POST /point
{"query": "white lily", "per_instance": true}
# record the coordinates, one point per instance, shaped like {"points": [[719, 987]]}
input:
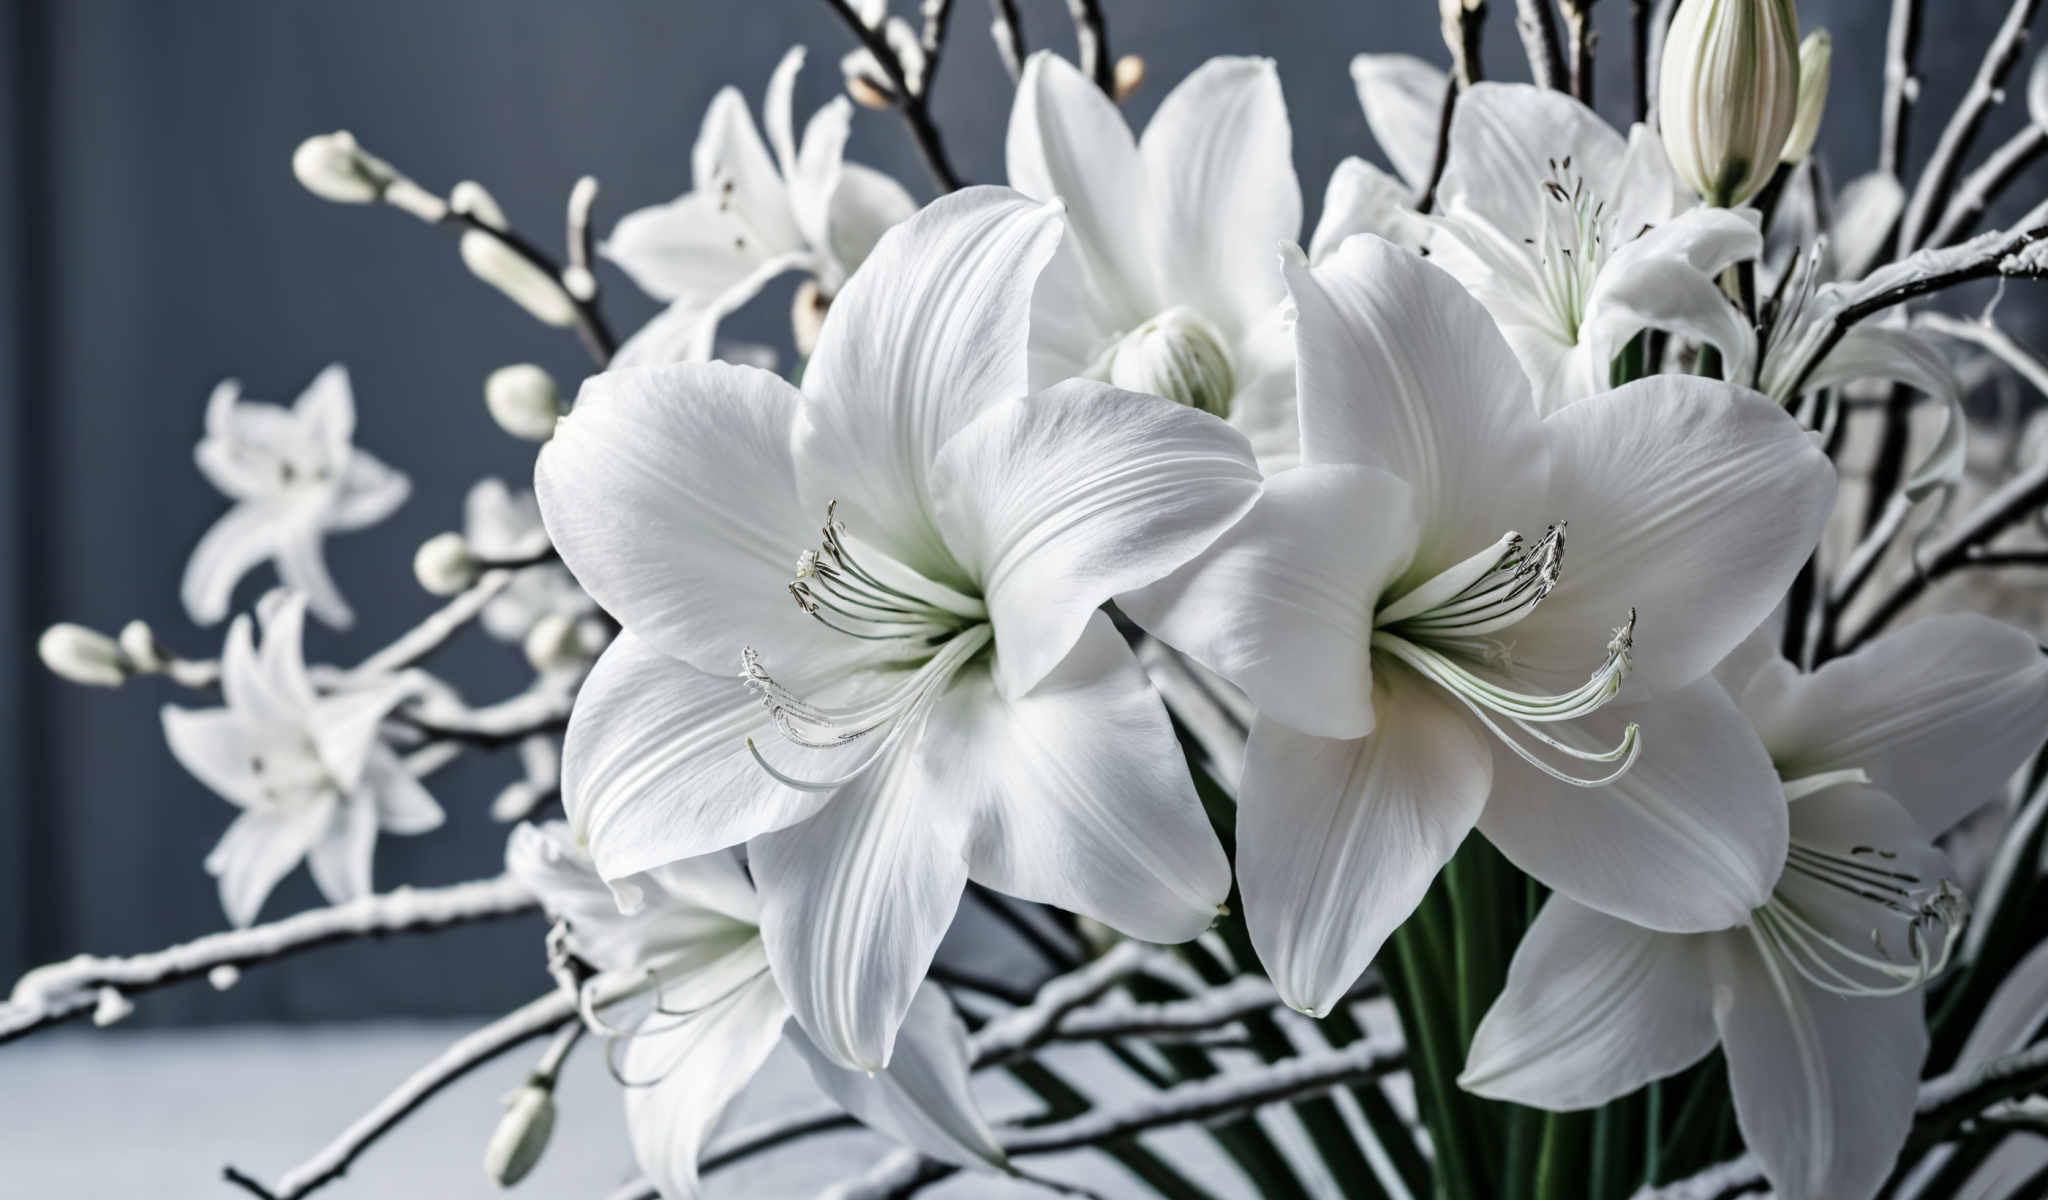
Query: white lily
{"points": [[716, 1013], [500, 524], [309, 772], [294, 477], [750, 217], [1395, 633], [1577, 239], [925, 691], [1815, 999], [1402, 97], [1166, 283]]}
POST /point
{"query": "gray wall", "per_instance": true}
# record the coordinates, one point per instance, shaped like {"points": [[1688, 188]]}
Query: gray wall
{"points": [[152, 241]]}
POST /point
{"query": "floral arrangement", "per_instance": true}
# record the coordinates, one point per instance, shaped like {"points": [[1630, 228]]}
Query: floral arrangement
{"points": [[1537, 693]]}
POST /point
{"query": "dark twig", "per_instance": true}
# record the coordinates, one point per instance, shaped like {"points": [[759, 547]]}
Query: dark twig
{"points": [[1464, 37], [1578, 18], [590, 324], [1092, 41], [1443, 147], [1539, 42], [908, 102], [1986, 90], [1639, 55], [245, 1183]]}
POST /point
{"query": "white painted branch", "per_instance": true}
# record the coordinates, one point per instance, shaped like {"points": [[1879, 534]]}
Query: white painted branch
{"points": [[1975, 193], [429, 635], [1986, 90], [1018, 1031], [53, 993], [1901, 87]]}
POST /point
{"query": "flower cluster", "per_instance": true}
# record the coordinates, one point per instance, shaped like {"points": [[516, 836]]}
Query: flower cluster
{"points": [[1191, 599]]}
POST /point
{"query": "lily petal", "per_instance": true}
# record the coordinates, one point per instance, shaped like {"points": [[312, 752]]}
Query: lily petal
{"points": [[404, 806], [1338, 840], [302, 567], [340, 859], [217, 747], [1282, 604], [327, 409], [730, 162], [1689, 840], [1079, 795], [368, 492], [1940, 713], [928, 334], [1504, 137], [1594, 1008], [259, 849], [1693, 502], [923, 1098], [865, 205], [1061, 500], [244, 536], [1364, 199], [1402, 97]]}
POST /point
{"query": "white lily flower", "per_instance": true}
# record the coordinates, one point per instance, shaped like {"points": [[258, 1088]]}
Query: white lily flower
{"points": [[717, 1013], [749, 217], [294, 476], [500, 524], [943, 700], [1577, 239], [1166, 282], [1815, 998], [308, 771], [1396, 632], [1402, 97]]}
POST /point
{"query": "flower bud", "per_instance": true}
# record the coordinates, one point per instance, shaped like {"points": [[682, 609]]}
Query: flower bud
{"points": [[138, 642], [1727, 94], [807, 316], [444, 565], [82, 655], [1126, 77], [333, 167], [524, 401], [1176, 355], [554, 643], [521, 1135], [1816, 53], [498, 264], [470, 199]]}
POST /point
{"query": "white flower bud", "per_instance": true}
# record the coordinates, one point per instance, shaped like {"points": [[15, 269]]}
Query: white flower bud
{"points": [[1127, 77], [523, 283], [83, 655], [470, 199], [555, 643], [524, 401], [139, 643], [1816, 56], [333, 167], [1176, 355], [112, 1007], [444, 565], [521, 1135], [807, 316], [1727, 94]]}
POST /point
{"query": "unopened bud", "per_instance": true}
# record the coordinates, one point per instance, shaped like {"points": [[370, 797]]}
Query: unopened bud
{"points": [[807, 316], [1816, 56], [1176, 355], [1127, 77], [1727, 94], [333, 167], [521, 1135], [869, 92], [144, 653], [524, 401], [82, 655], [470, 199], [555, 642], [525, 284], [444, 565]]}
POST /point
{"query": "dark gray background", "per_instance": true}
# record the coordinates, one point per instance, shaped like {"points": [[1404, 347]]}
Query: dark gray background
{"points": [[152, 241]]}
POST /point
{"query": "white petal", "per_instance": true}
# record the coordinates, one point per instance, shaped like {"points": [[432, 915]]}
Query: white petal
{"points": [[672, 497], [1939, 713], [218, 748], [1056, 502], [1504, 136], [1263, 408], [815, 177], [730, 162], [671, 927], [257, 850], [692, 248], [1400, 368], [923, 1098], [1282, 604], [1403, 99], [1079, 795], [283, 659], [1824, 1086], [687, 1070], [777, 108], [1900, 355], [1689, 840], [1364, 199], [865, 205], [1338, 840], [344, 725], [302, 567], [926, 336], [687, 330], [403, 804], [1219, 161], [367, 493], [1068, 141], [1594, 1008], [2012, 1019], [1866, 211], [327, 409], [1691, 501], [340, 858], [853, 903], [244, 536], [1851, 821], [265, 699], [655, 765]]}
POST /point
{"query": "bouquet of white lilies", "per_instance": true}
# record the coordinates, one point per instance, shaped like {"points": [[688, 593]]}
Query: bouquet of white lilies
{"points": [[1503, 702]]}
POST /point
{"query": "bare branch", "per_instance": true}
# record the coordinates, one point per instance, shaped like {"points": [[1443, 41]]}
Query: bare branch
{"points": [[433, 633], [1981, 186], [1091, 39], [909, 102], [1539, 42], [1901, 86], [1986, 90]]}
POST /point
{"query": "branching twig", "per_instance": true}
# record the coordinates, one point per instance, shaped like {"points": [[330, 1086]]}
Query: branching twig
{"points": [[54, 993], [909, 102], [1981, 186], [1539, 42], [1986, 90], [590, 324], [431, 634]]}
